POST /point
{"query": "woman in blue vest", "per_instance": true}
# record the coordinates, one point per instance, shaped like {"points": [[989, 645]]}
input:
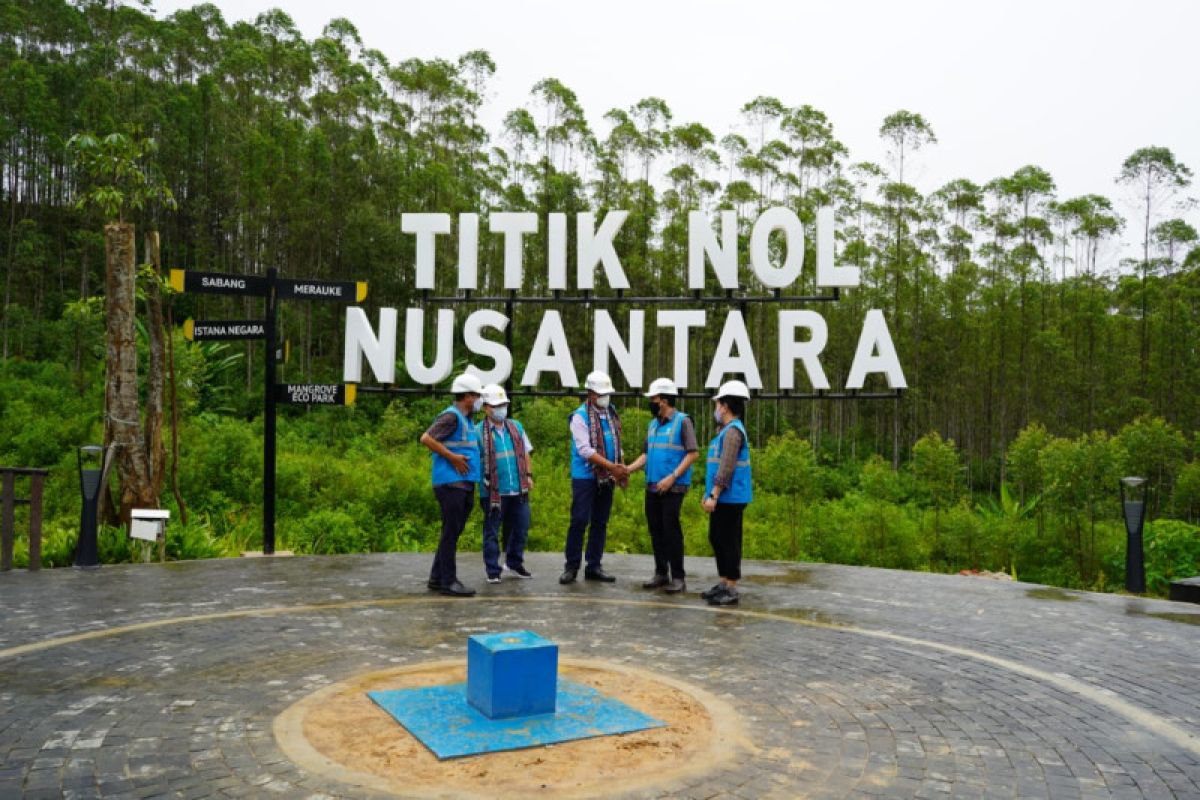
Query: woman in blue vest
{"points": [[671, 449], [505, 479], [727, 490], [597, 466], [454, 442]]}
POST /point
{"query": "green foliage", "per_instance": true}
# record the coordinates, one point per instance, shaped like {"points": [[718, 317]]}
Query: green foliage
{"points": [[121, 181]]}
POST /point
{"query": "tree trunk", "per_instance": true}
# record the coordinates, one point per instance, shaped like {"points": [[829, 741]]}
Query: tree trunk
{"points": [[156, 455], [122, 421]]}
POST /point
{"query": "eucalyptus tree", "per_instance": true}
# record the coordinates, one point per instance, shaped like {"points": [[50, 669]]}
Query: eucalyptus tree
{"points": [[1156, 175]]}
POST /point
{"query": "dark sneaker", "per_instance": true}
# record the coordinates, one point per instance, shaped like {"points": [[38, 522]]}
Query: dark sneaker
{"points": [[676, 586], [729, 597], [456, 589], [493, 578], [433, 585], [713, 592], [656, 582], [568, 576], [520, 572], [598, 575]]}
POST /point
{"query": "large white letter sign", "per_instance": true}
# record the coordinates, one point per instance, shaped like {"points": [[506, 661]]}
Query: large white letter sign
{"points": [[808, 352], [426, 227], [556, 255], [725, 362], [594, 247], [875, 353], [513, 225], [414, 346], [473, 339], [550, 353], [702, 241], [777, 219], [468, 251], [827, 273], [607, 340], [361, 341], [681, 321]]}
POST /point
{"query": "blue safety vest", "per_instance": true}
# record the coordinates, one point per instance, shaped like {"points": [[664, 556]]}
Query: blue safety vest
{"points": [[740, 490], [580, 468], [508, 472], [665, 451], [464, 442]]}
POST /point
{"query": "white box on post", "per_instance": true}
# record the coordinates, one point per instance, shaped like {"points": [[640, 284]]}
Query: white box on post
{"points": [[148, 524]]}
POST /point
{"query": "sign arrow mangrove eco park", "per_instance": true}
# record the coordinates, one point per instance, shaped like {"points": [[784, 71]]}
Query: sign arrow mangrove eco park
{"points": [[317, 394], [273, 289]]}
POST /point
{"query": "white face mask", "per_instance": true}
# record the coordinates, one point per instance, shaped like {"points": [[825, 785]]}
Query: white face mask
{"points": [[602, 401], [500, 414], [717, 415], [478, 405]]}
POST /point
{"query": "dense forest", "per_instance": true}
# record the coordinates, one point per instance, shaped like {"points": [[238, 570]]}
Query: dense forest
{"points": [[1042, 364]]}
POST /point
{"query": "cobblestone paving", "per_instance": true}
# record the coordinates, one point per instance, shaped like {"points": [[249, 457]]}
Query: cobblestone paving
{"points": [[164, 680]]}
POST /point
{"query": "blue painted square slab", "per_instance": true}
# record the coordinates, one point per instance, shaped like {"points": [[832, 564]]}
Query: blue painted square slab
{"points": [[442, 719]]}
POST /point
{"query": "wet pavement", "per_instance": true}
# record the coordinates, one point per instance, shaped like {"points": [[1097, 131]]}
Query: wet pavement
{"points": [[164, 680]]}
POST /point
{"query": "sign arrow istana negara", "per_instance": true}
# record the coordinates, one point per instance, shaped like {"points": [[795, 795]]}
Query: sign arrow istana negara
{"points": [[224, 330]]}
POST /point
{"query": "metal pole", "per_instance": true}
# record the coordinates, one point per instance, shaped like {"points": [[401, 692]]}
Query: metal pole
{"points": [[269, 417], [35, 520]]}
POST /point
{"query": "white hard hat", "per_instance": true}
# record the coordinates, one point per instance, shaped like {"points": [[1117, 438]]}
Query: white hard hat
{"points": [[494, 395], [733, 389], [663, 386], [599, 383], [466, 383]]}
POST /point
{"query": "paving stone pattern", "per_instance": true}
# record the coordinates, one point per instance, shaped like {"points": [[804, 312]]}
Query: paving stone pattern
{"points": [[847, 688]]}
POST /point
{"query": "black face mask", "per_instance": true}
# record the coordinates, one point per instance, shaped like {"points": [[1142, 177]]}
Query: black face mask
{"points": [[655, 408]]}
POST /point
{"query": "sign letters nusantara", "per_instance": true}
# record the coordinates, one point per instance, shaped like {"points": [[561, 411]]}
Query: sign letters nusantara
{"points": [[551, 353]]}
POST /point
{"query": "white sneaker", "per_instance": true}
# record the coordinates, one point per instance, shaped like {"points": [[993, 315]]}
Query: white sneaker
{"points": [[493, 579]]}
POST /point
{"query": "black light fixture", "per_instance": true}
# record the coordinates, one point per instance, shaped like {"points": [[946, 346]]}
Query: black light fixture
{"points": [[91, 481], [1133, 504]]}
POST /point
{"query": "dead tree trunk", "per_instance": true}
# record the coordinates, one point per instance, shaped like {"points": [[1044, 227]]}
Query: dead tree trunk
{"points": [[156, 455], [122, 419]]}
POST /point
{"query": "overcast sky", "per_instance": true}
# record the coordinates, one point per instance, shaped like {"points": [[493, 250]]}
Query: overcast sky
{"points": [[1074, 87]]}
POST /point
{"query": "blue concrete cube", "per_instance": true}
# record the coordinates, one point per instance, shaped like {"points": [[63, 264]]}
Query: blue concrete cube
{"points": [[512, 674]]}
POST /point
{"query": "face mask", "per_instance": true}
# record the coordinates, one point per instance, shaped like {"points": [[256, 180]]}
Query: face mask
{"points": [[655, 408], [602, 401], [717, 415], [478, 405], [500, 414]]}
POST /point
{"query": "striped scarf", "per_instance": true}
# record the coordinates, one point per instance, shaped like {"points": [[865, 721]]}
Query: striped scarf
{"points": [[491, 469], [596, 434]]}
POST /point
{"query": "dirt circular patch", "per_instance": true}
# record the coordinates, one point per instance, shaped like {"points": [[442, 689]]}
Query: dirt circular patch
{"points": [[339, 733]]}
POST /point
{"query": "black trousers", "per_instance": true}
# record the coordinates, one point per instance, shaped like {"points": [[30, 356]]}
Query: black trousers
{"points": [[666, 532], [456, 507], [725, 536]]}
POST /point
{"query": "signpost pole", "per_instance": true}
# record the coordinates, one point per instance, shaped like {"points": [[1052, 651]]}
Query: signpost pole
{"points": [[269, 417]]}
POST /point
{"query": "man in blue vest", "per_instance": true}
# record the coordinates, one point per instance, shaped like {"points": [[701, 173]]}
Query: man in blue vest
{"points": [[454, 442], [671, 448], [505, 481], [597, 466]]}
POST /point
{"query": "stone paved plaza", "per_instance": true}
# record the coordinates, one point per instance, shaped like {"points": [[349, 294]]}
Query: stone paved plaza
{"points": [[164, 680]]}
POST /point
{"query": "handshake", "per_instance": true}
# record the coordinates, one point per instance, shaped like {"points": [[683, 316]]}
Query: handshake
{"points": [[620, 474]]}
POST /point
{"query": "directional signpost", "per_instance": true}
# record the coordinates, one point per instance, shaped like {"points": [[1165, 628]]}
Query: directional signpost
{"points": [[273, 289]]}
